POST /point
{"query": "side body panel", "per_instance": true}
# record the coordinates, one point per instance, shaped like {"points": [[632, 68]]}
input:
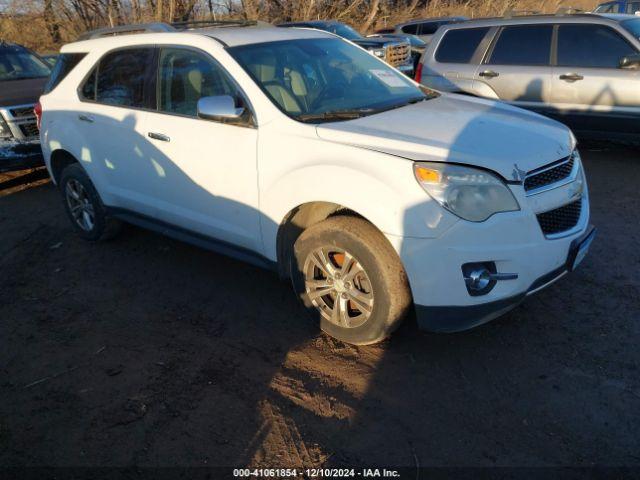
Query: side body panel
{"points": [[297, 167]]}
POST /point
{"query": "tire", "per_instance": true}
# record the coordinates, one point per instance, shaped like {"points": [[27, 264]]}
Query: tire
{"points": [[83, 206], [372, 287]]}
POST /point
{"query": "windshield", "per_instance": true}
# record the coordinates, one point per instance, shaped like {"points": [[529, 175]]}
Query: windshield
{"points": [[607, 8], [632, 26], [17, 64], [342, 30], [311, 78]]}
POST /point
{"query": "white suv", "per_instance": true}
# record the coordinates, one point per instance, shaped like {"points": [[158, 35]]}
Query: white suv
{"points": [[299, 151]]}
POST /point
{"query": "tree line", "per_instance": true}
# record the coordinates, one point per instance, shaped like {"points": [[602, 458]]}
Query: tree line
{"points": [[46, 24]]}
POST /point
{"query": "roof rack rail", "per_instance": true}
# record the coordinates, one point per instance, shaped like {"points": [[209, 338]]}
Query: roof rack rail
{"points": [[127, 30], [509, 13], [192, 24], [569, 10], [158, 27]]}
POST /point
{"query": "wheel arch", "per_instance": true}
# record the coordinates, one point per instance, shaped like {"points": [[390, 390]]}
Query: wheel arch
{"points": [[59, 160], [300, 218]]}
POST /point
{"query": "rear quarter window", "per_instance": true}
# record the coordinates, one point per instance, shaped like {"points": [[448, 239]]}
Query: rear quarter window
{"points": [[459, 45], [63, 66]]}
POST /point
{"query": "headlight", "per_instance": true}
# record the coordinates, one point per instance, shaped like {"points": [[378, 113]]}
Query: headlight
{"points": [[469, 193], [5, 133], [378, 52]]}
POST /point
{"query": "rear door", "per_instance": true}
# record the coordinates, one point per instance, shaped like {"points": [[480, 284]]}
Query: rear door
{"points": [[590, 91], [454, 64], [115, 99], [517, 67]]}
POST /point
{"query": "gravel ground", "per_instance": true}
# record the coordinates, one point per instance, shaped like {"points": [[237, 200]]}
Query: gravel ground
{"points": [[147, 351]]}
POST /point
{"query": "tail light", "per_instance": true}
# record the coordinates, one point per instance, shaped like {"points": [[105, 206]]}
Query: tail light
{"points": [[38, 111], [419, 73]]}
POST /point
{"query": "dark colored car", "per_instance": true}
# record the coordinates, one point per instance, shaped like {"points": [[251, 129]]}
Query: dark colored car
{"points": [[23, 76], [418, 46], [396, 52], [619, 6], [426, 27]]}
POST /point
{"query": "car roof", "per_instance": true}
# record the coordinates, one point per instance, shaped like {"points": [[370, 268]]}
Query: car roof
{"points": [[236, 36], [433, 20], [618, 17], [542, 18], [5, 44], [228, 36], [311, 22]]}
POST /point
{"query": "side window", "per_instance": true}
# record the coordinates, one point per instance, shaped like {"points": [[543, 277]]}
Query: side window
{"points": [[410, 29], [523, 45], [88, 90], [65, 63], [122, 76], [186, 76], [596, 46], [633, 7], [429, 28], [459, 45]]}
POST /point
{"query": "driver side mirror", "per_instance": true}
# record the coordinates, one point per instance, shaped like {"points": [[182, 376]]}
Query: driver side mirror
{"points": [[220, 107], [630, 61]]}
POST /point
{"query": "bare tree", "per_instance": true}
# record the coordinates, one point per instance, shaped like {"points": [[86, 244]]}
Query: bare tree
{"points": [[51, 22], [373, 11]]}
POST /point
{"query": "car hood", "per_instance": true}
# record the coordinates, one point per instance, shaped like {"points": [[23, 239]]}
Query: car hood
{"points": [[372, 42], [21, 92], [453, 128]]}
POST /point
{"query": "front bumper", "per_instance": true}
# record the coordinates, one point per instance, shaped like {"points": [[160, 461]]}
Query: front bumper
{"points": [[512, 241], [450, 319], [20, 155]]}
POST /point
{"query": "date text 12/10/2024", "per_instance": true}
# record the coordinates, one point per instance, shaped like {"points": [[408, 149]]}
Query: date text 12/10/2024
{"points": [[315, 473]]}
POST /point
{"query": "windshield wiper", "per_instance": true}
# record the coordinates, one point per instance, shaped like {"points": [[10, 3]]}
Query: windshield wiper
{"points": [[336, 115]]}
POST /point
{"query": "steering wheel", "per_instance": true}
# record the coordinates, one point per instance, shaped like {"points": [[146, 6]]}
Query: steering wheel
{"points": [[330, 89]]}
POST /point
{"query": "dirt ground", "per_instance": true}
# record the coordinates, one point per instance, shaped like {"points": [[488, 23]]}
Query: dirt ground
{"points": [[147, 351]]}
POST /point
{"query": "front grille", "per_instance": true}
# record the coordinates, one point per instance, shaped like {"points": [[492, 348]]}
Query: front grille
{"points": [[398, 54], [22, 112], [29, 129], [548, 175], [561, 219]]}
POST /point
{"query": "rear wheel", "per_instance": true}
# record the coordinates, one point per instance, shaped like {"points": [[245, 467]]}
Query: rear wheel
{"points": [[350, 280], [84, 208]]}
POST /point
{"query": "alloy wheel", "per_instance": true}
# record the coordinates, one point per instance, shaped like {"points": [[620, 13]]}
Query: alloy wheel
{"points": [[80, 205], [338, 286]]}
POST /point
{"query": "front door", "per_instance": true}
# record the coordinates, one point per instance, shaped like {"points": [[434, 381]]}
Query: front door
{"points": [[590, 92], [207, 168]]}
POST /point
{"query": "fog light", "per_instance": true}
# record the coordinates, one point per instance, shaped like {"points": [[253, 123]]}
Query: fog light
{"points": [[480, 278]]}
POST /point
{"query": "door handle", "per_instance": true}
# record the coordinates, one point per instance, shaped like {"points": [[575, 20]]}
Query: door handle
{"points": [[571, 77], [159, 136], [85, 118], [489, 74]]}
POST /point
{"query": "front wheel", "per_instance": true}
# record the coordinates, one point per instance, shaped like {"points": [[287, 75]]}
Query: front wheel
{"points": [[350, 279]]}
